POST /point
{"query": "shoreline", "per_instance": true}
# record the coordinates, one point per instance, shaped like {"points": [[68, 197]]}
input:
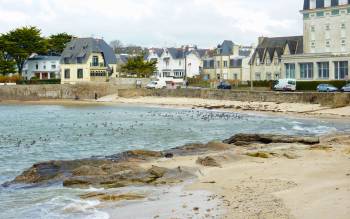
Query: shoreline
{"points": [[312, 111]]}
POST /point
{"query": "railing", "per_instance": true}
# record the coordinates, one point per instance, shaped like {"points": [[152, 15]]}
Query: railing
{"points": [[98, 65]]}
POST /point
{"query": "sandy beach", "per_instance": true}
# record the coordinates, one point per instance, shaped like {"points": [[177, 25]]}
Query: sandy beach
{"points": [[296, 182]]}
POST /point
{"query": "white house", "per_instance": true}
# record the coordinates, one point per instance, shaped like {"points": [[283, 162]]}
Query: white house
{"points": [[42, 67], [177, 63]]}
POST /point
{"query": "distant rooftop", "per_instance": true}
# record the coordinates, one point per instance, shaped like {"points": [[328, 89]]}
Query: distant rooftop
{"points": [[319, 4]]}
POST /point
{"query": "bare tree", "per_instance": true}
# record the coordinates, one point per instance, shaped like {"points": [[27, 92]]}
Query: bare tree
{"points": [[117, 45]]}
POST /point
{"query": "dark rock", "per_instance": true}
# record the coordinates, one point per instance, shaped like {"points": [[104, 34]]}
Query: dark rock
{"points": [[247, 139], [208, 162], [168, 155]]}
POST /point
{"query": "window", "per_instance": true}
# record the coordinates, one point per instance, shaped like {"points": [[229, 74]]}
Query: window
{"points": [[306, 16], [180, 62], [313, 44], [328, 43], [235, 77], [257, 76], [328, 27], [79, 60], [66, 60], [80, 74], [268, 61], [312, 28], [37, 66], [290, 70], [218, 64], [341, 70], [320, 14], [53, 66], [343, 26], [343, 42], [277, 75], [67, 73], [323, 70], [335, 12], [268, 76], [306, 70], [348, 10], [95, 61], [44, 66], [225, 64]]}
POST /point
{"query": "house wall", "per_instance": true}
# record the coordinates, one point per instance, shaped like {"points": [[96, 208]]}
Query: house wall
{"points": [[317, 33], [43, 66], [194, 65], [87, 68]]}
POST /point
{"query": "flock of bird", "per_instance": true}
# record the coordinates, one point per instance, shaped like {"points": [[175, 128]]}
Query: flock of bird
{"points": [[122, 124]]}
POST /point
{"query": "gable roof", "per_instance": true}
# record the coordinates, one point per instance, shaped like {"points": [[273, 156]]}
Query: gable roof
{"points": [[278, 44], [84, 47], [226, 48], [321, 4]]}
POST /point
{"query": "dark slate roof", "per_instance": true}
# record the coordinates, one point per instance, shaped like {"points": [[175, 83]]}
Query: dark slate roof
{"points": [[320, 4], [44, 58], [245, 52], [226, 48], [278, 44], [177, 53], [83, 47]]}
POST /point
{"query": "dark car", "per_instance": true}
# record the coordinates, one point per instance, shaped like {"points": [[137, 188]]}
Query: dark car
{"points": [[224, 86], [326, 88]]}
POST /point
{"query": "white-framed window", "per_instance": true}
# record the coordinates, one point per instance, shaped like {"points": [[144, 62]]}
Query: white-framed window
{"points": [[225, 64], [341, 70], [258, 76], [269, 76], [306, 70], [323, 70], [290, 70]]}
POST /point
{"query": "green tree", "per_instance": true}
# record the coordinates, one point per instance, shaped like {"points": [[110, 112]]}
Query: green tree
{"points": [[57, 43], [7, 65], [20, 43], [139, 67]]}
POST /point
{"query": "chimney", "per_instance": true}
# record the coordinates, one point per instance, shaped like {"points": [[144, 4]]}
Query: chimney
{"points": [[260, 39]]}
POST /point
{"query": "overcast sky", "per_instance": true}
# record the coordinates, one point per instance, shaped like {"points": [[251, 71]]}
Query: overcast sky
{"points": [[158, 22]]}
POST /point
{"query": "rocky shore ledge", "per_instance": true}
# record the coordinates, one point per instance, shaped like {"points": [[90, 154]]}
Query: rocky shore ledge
{"points": [[125, 169]]}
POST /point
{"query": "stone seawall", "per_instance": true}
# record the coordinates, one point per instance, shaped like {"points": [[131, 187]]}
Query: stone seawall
{"points": [[326, 99], [88, 91], [56, 91]]}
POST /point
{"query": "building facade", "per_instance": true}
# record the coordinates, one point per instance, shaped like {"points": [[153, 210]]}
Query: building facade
{"points": [[266, 62], [42, 67], [326, 54], [87, 60], [177, 63], [227, 62]]}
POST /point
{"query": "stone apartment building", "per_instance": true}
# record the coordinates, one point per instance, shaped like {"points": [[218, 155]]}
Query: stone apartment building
{"points": [[227, 62], [326, 54], [322, 53], [87, 60]]}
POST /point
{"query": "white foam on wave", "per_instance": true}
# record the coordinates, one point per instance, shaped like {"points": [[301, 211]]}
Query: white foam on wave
{"points": [[315, 130]]}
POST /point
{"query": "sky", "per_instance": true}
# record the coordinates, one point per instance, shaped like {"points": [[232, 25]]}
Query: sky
{"points": [[158, 23]]}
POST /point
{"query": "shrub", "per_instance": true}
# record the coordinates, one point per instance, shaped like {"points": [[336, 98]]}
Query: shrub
{"points": [[10, 79], [35, 81], [312, 85]]}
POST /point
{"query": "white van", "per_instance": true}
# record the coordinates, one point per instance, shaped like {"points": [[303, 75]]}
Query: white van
{"points": [[159, 84], [286, 85]]}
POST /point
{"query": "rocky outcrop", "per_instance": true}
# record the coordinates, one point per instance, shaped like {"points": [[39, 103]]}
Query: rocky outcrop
{"points": [[247, 139], [208, 162], [195, 149]]}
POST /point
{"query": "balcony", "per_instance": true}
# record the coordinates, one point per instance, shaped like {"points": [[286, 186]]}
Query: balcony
{"points": [[100, 65]]}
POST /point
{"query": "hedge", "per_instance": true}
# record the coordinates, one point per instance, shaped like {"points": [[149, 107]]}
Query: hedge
{"points": [[48, 81], [312, 85]]}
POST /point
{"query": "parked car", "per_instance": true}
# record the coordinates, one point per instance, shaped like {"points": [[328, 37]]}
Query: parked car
{"points": [[285, 85], [346, 88], [156, 85], [224, 86], [326, 88]]}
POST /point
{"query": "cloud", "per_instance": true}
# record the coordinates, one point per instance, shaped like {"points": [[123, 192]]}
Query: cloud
{"points": [[157, 22]]}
